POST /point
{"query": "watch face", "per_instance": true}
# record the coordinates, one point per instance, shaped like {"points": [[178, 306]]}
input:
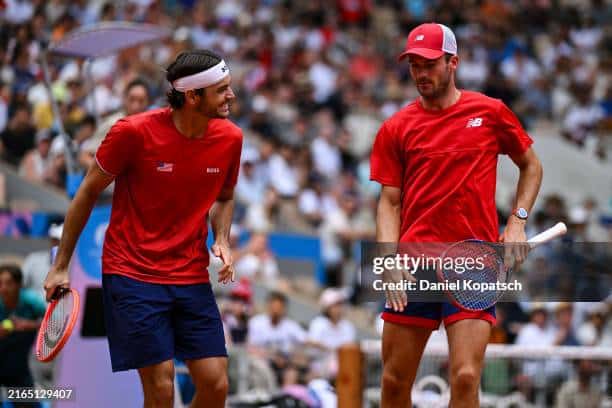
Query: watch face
{"points": [[522, 213]]}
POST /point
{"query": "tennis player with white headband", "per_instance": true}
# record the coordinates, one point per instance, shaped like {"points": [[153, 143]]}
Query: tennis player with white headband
{"points": [[174, 168], [202, 79]]}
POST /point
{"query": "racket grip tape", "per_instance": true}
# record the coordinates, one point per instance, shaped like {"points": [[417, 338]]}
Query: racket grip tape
{"points": [[53, 254], [545, 236], [59, 291]]}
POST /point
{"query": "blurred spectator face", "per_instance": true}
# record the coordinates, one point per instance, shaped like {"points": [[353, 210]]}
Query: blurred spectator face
{"points": [[21, 119], [335, 311], [538, 317], [238, 307], [554, 207], [349, 204], [43, 147], [136, 100], [75, 88], [9, 288], [266, 149], [248, 169], [216, 99], [432, 77], [287, 152], [564, 316], [276, 309], [85, 131]]}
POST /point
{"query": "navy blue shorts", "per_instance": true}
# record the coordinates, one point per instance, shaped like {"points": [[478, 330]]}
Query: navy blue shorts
{"points": [[430, 314], [149, 323]]}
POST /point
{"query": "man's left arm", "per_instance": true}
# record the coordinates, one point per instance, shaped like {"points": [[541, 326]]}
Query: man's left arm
{"points": [[527, 190], [221, 222]]}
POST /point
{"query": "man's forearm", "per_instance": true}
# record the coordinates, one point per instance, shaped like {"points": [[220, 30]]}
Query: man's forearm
{"points": [[387, 222], [75, 221], [528, 186], [221, 219]]}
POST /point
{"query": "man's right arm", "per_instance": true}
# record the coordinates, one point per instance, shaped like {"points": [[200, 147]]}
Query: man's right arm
{"points": [[78, 213], [388, 223], [388, 215]]}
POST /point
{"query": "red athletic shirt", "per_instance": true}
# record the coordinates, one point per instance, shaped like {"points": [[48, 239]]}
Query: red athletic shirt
{"points": [[445, 164], [165, 185]]}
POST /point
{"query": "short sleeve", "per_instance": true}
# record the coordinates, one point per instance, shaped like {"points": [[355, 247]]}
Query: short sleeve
{"points": [[386, 163], [234, 168], [512, 138], [118, 148]]}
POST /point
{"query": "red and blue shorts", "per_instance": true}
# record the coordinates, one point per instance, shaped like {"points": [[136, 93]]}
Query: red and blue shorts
{"points": [[429, 314]]}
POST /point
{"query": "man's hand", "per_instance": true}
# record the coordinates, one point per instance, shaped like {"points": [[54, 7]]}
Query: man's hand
{"points": [[25, 324], [56, 278], [396, 299], [226, 273], [516, 248]]}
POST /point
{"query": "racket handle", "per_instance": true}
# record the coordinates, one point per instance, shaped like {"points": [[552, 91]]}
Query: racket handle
{"points": [[545, 236], [53, 253]]}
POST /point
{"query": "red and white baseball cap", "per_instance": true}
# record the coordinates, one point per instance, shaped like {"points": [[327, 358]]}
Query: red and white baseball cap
{"points": [[431, 41]]}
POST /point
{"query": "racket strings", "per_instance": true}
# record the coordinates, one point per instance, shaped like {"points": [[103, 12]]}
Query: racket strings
{"points": [[57, 324], [488, 269]]}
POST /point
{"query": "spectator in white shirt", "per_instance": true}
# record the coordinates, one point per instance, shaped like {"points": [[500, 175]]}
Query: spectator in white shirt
{"points": [[250, 189], [538, 332], [272, 331], [582, 117], [591, 332], [579, 392], [325, 153], [520, 69], [283, 173], [331, 330], [314, 202], [35, 164]]}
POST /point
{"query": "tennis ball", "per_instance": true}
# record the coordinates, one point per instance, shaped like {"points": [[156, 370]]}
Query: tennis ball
{"points": [[7, 324]]}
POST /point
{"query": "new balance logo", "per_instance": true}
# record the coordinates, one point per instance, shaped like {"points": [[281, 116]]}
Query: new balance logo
{"points": [[213, 170], [474, 122], [420, 37]]}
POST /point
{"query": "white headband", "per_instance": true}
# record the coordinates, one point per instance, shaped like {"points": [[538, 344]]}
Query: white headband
{"points": [[202, 79]]}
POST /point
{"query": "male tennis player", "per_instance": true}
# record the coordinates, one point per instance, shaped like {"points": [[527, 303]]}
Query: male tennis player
{"points": [[436, 160], [174, 169]]}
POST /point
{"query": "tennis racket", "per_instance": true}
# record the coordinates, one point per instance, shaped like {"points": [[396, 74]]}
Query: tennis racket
{"points": [[58, 322], [479, 287]]}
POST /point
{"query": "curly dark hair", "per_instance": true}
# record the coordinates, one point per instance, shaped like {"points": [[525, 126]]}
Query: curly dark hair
{"points": [[15, 272], [188, 63]]}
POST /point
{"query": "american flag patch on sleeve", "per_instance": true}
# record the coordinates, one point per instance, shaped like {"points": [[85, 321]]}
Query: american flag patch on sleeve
{"points": [[165, 166]]}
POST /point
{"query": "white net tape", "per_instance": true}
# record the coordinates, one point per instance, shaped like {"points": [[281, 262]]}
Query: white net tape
{"points": [[514, 351]]}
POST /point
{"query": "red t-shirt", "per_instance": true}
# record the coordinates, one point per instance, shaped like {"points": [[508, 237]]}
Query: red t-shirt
{"points": [[165, 185], [445, 164]]}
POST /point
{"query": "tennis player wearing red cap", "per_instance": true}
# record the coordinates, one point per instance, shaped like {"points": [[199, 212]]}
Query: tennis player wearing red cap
{"points": [[436, 160]]}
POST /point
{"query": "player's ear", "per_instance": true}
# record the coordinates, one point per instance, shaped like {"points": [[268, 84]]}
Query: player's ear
{"points": [[191, 97]]}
